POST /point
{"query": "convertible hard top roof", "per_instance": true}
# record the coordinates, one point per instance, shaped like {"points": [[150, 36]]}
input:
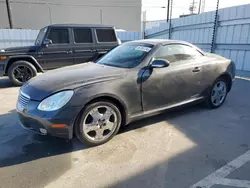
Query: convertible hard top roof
{"points": [[81, 25], [159, 41], [164, 42]]}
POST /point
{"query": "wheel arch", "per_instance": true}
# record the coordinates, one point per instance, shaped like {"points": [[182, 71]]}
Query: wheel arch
{"points": [[29, 59], [105, 97], [228, 78]]}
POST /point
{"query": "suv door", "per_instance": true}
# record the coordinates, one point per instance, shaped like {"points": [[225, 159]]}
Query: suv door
{"points": [[59, 53], [106, 40], [83, 47], [178, 82]]}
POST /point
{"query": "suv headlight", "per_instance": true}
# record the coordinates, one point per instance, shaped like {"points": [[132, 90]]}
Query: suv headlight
{"points": [[55, 101]]}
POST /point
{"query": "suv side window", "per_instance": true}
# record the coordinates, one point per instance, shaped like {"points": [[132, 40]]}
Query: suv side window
{"points": [[177, 52], [82, 35], [106, 35], [59, 36]]}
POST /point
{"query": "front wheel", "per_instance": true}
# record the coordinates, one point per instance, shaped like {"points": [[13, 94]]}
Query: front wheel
{"points": [[20, 72], [99, 123], [218, 93]]}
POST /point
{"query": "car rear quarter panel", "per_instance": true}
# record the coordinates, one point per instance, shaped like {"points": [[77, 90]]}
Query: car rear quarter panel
{"points": [[215, 66]]}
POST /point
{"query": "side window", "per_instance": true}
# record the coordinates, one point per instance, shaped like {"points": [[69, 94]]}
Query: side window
{"points": [[82, 35], [59, 36], [191, 51], [177, 52], [106, 35]]}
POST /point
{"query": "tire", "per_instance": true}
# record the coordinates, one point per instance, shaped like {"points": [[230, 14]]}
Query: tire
{"points": [[17, 75], [90, 139], [209, 101]]}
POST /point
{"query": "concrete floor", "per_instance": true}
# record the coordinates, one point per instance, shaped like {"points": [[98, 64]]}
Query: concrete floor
{"points": [[174, 150]]}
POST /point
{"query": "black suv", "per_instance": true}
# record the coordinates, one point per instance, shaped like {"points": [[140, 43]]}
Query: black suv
{"points": [[57, 46]]}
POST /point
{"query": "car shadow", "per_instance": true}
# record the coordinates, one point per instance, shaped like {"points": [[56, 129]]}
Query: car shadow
{"points": [[20, 146], [27, 156], [168, 114]]}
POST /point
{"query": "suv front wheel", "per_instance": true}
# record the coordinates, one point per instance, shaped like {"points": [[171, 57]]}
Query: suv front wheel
{"points": [[20, 72]]}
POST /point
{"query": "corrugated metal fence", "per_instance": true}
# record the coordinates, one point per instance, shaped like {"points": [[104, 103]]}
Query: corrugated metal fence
{"points": [[232, 38], [24, 37], [17, 37]]}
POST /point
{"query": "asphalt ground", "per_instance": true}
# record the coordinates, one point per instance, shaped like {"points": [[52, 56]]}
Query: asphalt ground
{"points": [[189, 147]]}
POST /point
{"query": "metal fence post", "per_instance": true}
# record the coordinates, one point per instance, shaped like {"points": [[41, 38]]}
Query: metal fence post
{"points": [[216, 20], [169, 30], [9, 14], [144, 18], [144, 30], [170, 25]]}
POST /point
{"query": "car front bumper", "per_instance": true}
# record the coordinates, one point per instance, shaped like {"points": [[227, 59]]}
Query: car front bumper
{"points": [[42, 123]]}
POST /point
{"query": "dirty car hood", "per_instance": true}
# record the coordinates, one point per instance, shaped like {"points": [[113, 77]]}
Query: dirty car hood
{"points": [[70, 77]]}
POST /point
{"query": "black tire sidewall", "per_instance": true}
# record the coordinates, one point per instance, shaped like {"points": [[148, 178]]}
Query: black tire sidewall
{"points": [[18, 63], [209, 99], [79, 128]]}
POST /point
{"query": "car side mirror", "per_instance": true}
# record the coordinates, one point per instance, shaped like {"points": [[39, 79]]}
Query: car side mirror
{"points": [[47, 42], [159, 63]]}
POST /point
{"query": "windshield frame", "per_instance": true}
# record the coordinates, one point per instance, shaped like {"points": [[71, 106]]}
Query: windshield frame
{"points": [[41, 35], [128, 44]]}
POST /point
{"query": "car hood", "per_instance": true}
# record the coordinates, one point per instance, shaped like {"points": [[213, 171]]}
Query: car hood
{"points": [[70, 77], [20, 49]]}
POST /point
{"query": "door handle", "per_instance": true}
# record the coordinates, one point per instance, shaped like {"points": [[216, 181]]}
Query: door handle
{"points": [[69, 52], [196, 69]]}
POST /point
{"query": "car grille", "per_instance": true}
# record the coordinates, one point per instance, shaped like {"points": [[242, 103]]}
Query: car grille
{"points": [[23, 100]]}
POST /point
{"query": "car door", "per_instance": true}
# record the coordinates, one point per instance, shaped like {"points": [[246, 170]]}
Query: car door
{"points": [[83, 48], [59, 52], [178, 82]]}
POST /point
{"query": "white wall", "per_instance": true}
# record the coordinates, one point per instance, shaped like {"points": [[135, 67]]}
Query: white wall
{"points": [[34, 14], [3, 15]]}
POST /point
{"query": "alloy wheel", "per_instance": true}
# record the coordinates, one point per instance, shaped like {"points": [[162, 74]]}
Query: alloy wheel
{"points": [[100, 123], [22, 73], [219, 93]]}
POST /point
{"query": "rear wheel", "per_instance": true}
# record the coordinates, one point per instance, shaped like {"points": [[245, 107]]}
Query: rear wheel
{"points": [[99, 123], [218, 93], [20, 72]]}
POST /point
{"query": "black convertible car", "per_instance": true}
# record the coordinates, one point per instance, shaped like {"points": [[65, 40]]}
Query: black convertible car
{"points": [[135, 80]]}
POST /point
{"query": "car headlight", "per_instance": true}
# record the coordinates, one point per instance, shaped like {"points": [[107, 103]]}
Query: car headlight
{"points": [[55, 101]]}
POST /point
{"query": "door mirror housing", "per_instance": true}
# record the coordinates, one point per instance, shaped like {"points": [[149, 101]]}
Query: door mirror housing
{"points": [[47, 42], [159, 63]]}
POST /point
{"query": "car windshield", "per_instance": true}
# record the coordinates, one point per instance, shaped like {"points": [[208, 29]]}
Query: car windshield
{"points": [[126, 56], [40, 36]]}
